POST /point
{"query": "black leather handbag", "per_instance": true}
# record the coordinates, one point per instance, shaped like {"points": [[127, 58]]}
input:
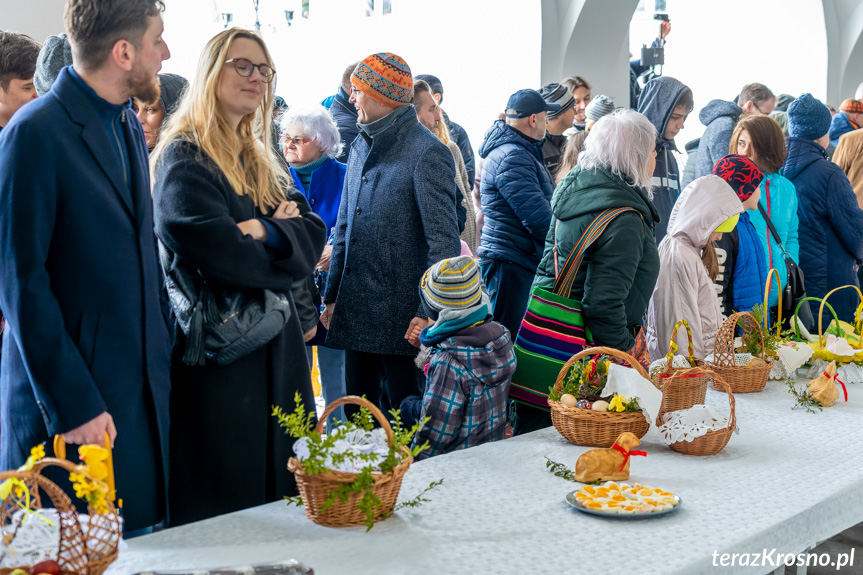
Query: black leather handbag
{"points": [[221, 325], [795, 289]]}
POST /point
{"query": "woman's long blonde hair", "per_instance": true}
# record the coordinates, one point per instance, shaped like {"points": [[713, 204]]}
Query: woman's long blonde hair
{"points": [[199, 120]]}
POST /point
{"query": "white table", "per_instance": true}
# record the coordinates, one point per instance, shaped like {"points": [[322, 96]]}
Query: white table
{"points": [[789, 479]]}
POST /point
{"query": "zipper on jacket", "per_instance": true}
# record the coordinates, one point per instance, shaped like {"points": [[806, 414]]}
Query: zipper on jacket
{"points": [[769, 215], [120, 146]]}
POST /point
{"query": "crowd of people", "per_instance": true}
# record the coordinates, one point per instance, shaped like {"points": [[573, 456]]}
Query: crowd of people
{"points": [[365, 229]]}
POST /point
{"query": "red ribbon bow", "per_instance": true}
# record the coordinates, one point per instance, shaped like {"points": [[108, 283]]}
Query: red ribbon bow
{"points": [[836, 378], [626, 454]]}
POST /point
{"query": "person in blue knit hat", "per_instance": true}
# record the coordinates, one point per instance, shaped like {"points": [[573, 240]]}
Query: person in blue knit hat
{"points": [[467, 358], [831, 222]]}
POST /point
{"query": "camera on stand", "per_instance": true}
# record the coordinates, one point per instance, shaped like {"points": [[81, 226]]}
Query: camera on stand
{"points": [[651, 56]]}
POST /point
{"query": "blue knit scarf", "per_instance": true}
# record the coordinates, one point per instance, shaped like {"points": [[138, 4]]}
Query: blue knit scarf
{"points": [[439, 331]]}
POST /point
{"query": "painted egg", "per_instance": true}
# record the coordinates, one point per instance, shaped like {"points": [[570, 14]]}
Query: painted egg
{"points": [[583, 404]]}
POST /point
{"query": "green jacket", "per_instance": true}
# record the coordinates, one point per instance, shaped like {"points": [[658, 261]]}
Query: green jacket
{"points": [[619, 270]]}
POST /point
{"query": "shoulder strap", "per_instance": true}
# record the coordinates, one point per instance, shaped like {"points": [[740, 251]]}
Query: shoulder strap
{"points": [[770, 225], [563, 282]]}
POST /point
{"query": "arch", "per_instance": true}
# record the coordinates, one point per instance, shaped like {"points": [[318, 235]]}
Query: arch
{"points": [[573, 43], [843, 20]]}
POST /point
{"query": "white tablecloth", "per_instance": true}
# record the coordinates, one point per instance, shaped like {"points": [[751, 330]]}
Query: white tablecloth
{"points": [[789, 479]]}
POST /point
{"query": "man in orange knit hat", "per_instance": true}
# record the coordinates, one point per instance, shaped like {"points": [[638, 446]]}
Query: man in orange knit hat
{"points": [[397, 218]]}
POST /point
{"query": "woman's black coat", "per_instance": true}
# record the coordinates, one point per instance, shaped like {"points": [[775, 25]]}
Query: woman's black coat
{"points": [[226, 451]]}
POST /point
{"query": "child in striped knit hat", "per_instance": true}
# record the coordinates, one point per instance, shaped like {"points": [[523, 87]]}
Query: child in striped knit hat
{"points": [[468, 361]]}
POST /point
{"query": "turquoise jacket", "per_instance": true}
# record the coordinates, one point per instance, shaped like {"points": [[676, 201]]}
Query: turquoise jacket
{"points": [[779, 200]]}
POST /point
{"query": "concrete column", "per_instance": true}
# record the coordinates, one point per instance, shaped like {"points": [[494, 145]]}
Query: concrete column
{"points": [[588, 38], [843, 20]]}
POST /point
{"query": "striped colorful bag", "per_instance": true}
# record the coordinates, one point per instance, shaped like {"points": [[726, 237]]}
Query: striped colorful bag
{"points": [[553, 330]]}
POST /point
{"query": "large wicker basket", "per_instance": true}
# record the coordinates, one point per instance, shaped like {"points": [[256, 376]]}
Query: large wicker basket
{"points": [[711, 442], [314, 489], [691, 388], [82, 551], [595, 428], [743, 378]]}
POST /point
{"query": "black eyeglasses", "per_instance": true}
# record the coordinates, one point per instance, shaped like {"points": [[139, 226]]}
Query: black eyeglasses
{"points": [[245, 68]]}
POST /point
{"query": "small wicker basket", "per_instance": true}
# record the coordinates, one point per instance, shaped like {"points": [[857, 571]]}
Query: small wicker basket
{"points": [[711, 442], [692, 387], [595, 428], [314, 489], [82, 551], [741, 378]]}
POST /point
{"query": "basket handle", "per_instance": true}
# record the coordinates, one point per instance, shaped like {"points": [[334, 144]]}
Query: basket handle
{"points": [[678, 380], [797, 311], [362, 402], [60, 453], [770, 275], [558, 384], [732, 419], [723, 350], [673, 345], [858, 322]]}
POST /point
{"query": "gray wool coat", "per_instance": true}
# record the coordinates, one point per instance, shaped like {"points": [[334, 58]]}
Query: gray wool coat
{"points": [[397, 217]]}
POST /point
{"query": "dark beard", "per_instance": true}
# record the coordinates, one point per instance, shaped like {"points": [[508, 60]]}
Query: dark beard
{"points": [[143, 86]]}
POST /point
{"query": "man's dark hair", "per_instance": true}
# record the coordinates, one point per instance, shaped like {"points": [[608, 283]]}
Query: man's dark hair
{"points": [[18, 55], [574, 83], [757, 93], [420, 86], [686, 100], [346, 77], [94, 26]]}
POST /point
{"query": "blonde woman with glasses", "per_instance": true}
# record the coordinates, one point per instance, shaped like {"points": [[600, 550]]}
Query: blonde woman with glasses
{"points": [[225, 208]]}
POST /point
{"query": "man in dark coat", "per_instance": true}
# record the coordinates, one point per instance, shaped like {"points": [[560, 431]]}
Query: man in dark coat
{"points": [[667, 103], [396, 219], [344, 113], [516, 195], [831, 222], [456, 132], [87, 348]]}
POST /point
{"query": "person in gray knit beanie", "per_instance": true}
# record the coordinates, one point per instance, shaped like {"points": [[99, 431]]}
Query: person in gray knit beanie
{"points": [[55, 55], [599, 106]]}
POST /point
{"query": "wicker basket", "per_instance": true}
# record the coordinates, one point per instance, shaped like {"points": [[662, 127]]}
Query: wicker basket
{"points": [[81, 552], [692, 387], [595, 428], [711, 442], [744, 378], [314, 489]]}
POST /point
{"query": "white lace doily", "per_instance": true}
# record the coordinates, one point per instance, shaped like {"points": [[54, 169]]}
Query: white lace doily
{"points": [[33, 538], [739, 358], [363, 448], [687, 424], [847, 372], [678, 362]]}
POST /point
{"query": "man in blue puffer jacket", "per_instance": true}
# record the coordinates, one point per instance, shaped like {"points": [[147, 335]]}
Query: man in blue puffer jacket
{"points": [[516, 192], [831, 222]]}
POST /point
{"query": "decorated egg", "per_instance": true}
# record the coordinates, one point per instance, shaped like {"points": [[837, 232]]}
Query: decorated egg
{"points": [[600, 405], [568, 400], [583, 404]]}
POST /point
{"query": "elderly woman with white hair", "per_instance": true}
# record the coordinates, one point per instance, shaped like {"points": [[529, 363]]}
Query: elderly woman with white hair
{"points": [[310, 142], [619, 269]]}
